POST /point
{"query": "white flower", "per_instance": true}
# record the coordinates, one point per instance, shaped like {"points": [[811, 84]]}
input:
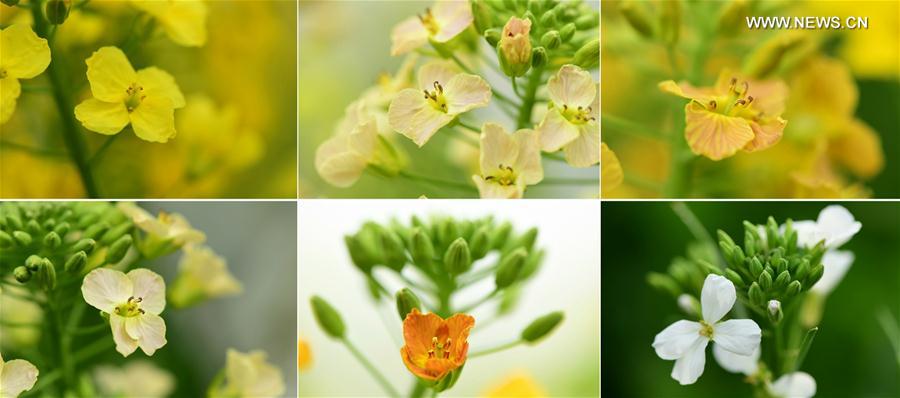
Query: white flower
{"points": [[133, 302], [837, 263], [249, 375], [794, 385], [16, 376], [201, 275], [448, 19], [172, 227], [136, 379], [774, 306], [508, 162], [835, 226], [341, 159], [685, 341], [443, 94], [572, 122]]}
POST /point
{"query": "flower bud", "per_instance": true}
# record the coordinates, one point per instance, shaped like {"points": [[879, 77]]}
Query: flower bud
{"points": [[542, 326], [514, 50], [406, 301], [76, 262], [328, 318], [815, 274], [52, 240], [549, 19], [567, 32], [538, 57], [588, 56], [5, 239], [734, 277], [767, 58], [527, 239], [636, 16], [756, 295], [775, 313], [689, 304], [22, 274], [500, 235], [802, 270], [33, 262], [22, 238], [493, 36], [765, 280], [422, 249], [33, 227], [479, 243], [532, 263], [113, 234], [458, 259], [96, 230], [481, 14], [510, 268], [792, 289], [62, 229], [588, 21], [394, 254], [551, 39], [756, 267], [358, 254], [85, 245], [664, 283], [724, 237], [118, 249], [57, 11], [47, 275], [781, 281]]}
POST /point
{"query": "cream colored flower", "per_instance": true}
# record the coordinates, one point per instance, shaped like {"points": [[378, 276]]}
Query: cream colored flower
{"points": [[341, 159], [136, 379], [571, 123], [170, 227], [249, 376], [509, 162], [202, 275], [448, 19], [183, 20], [16, 376], [133, 303], [444, 94]]}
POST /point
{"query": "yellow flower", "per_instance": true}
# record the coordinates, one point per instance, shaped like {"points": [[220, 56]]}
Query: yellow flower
{"points": [[133, 303], [147, 98], [444, 94], [183, 20], [734, 114], [26, 175], [201, 275], [165, 233], [448, 19], [213, 139], [304, 356], [136, 379], [249, 376], [342, 159], [611, 175], [508, 162], [516, 385], [858, 149], [434, 346], [16, 376], [25, 55], [571, 123]]}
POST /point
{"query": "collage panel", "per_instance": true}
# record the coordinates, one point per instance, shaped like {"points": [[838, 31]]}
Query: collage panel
{"points": [[148, 299], [449, 99], [750, 299], [148, 99], [449, 297]]}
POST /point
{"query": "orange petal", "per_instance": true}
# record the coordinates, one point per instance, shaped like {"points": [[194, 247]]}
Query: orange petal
{"points": [[765, 135], [714, 135], [418, 329]]}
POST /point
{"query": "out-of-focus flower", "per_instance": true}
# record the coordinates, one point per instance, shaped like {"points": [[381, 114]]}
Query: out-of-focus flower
{"points": [[444, 94], [183, 20], [342, 159], [25, 55], [519, 385], [136, 379], [685, 341], [835, 226], [794, 385], [213, 139], [732, 115], [16, 310], [867, 54], [133, 303], [434, 346], [167, 232], [611, 175], [249, 376], [147, 98], [59, 178], [447, 19], [202, 275], [514, 49], [571, 123], [304, 355], [508, 162], [16, 376]]}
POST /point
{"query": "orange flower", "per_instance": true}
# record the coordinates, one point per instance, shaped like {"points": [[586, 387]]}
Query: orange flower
{"points": [[434, 346]]}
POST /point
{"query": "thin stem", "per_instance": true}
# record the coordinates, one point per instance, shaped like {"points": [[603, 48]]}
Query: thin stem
{"points": [[525, 111], [804, 348], [9, 324], [478, 275], [553, 156], [473, 306], [496, 349], [515, 87], [891, 330], [642, 183], [468, 127], [371, 369], [694, 225], [437, 182], [95, 158], [570, 181], [464, 136], [92, 349], [462, 66], [89, 329], [625, 126]]}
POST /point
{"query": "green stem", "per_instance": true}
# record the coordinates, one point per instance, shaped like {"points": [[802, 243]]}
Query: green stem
{"points": [[642, 183], [625, 126], [45, 380], [92, 349], [525, 111], [471, 307], [468, 127], [95, 158], [9, 324], [804, 348], [553, 156], [371, 369], [418, 390], [570, 181], [437, 182], [496, 349]]}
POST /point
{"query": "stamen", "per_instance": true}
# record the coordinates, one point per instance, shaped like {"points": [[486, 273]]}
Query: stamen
{"points": [[712, 105], [446, 354], [740, 102], [434, 342], [749, 99], [447, 344], [438, 87], [430, 354]]}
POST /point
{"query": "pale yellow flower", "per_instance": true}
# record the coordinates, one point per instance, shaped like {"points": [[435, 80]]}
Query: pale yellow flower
{"points": [[133, 303], [183, 20], [515, 47], [16, 376], [447, 19], [136, 379], [509, 162], [571, 124], [341, 159], [249, 376], [202, 275], [516, 385], [25, 55], [213, 138], [443, 95], [611, 175], [171, 227]]}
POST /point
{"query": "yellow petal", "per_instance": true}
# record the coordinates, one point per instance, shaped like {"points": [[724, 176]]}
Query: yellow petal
{"points": [[765, 134], [9, 92], [528, 163], [465, 92], [342, 159], [407, 36], [25, 55], [611, 175], [412, 116], [102, 117], [555, 131], [154, 120], [858, 149], [584, 151], [185, 22], [572, 86], [110, 74], [714, 135], [685, 90], [157, 82]]}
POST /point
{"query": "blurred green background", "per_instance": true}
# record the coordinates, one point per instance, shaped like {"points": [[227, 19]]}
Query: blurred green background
{"points": [[851, 355]]}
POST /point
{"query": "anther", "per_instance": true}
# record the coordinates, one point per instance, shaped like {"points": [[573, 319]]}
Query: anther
{"points": [[712, 104], [438, 87], [430, 354], [446, 354], [749, 99]]}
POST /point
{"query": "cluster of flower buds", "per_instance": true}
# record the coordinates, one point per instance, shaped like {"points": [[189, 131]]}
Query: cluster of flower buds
{"points": [[527, 34], [39, 240]]}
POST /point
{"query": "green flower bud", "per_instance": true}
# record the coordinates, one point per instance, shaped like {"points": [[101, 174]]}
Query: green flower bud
{"points": [[567, 32], [782, 281], [551, 39], [458, 259], [510, 268], [767, 58], [33, 227], [542, 326], [76, 262], [33, 262], [47, 275], [588, 56], [52, 240], [780, 265], [514, 49], [482, 16], [118, 249], [5, 239], [22, 238], [447, 381], [724, 237], [57, 11], [85, 245], [709, 268], [22, 274], [492, 36], [394, 254], [358, 254], [96, 230], [734, 277], [765, 280], [115, 233], [532, 263], [549, 19], [538, 57], [637, 17], [817, 253], [328, 318], [527, 239], [62, 229], [802, 270], [756, 295], [422, 249], [586, 22], [479, 243], [406, 301], [792, 289], [664, 283], [750, 244], [500, 235], [756, 267], [815, 274], [774, 310]]}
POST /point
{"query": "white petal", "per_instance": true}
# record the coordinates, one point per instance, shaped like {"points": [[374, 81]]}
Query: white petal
{"points": [[555, 131], [125, 344], [573, 87], [436, 71], [740, 336], [675, 340], [794, 385], [689, 367], [412, 116], [466, 92], [16, 376], [584, 151], [150, 288], [716, 298], [837, 263], [807, 233], [104, 289], [407, 36], [149, 330], [837, 225], [734, 363]]}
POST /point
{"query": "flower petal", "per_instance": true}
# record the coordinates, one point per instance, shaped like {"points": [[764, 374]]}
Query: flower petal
{"points": [[125, 344], [110, 74], [740, 336], [714, 135], [185, 22], [837, 263], [149, 330], [154, 120], [493, 190], [675, 340], [465, 92], [794, 385], [555, 131], [25, 55], [689, 367], [528, 163], [458, 328], [412, 116], [159, 83], [407, 36], [584, 151], [734, 363], [807, 233], [611, 174], [716, 298], [102, 117], [16, 377], [573, 87], [498, 149], [150, 288], [436, 71], [104, 289], [766, 134], [10, 89], [452, 17], [686, 90], [837, 225]]}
